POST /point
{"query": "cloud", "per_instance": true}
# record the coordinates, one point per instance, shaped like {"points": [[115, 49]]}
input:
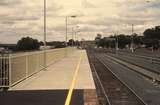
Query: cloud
{"points": [[25, 17], [87, 4], [9, 2], [7, 22]]}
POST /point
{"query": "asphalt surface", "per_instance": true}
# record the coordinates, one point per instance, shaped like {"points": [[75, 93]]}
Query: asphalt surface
{"points": [[143, 88], [40, 97]]}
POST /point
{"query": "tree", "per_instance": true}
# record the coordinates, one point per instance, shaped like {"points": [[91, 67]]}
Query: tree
{"points": [[152, 37], [122, 39], [152, 43], [56, 44], [71, 42], [138, 40], [152, 33], [98, 39], [101, 43], [27, 43]]}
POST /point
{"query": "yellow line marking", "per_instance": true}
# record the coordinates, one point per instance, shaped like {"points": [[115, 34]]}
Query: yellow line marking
{"points": [[69, 96]]}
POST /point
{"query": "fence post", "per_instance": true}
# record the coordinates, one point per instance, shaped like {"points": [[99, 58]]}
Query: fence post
{"points": [[10, 70], [38, 62], [26, 65], [45, 60]]}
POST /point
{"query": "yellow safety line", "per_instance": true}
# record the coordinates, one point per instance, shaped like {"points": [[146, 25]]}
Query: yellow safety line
{"points": [[68, 99]]}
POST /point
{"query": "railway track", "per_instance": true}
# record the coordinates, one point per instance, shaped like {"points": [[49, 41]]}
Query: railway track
{"points": [[152, 73], [113, 90], [141, 69], [152, 59]]}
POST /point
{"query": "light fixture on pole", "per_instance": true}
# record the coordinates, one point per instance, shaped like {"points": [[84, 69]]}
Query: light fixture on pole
{"points": [[66, 30], [66, 39], [45, 64], [45, 24], [72, 36], [76, 32], [132, 49], [117, 48]]}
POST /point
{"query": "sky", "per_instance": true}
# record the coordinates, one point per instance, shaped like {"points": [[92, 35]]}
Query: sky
{"points": [[21, 18]]}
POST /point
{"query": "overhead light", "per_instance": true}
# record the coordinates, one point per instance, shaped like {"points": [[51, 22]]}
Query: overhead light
{"points": [[147, 1], [73, 16]]}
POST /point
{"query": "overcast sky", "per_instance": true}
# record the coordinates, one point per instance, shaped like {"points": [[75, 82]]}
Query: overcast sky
{"points": [[19, 18]]}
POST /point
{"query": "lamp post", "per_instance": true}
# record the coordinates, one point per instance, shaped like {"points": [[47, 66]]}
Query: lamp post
{"points": [[72, 36], [45, 64], [132, 49], [132, 41], [45, 24], [66, 30], [117, 48], [77, 36], [67, 27], [74, 32]]}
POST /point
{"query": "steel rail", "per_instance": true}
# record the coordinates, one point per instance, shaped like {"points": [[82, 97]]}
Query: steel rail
{"points": [[146, 69], [108, 68], [153, 59], [101, 85]]}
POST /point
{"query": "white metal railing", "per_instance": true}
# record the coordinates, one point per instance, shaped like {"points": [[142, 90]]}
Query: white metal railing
{"points": [[4, 71], [15, 68]]}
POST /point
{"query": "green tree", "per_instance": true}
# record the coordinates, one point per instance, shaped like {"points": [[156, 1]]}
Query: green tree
{"points": [[71, 42], [152, 33], [122, 39], [152, 43], [98, 40], [101, 43], [152, 37], [27, 43], [138, 40]]}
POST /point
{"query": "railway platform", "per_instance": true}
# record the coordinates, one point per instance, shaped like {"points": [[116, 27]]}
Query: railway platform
{"points": [[66, 82]]}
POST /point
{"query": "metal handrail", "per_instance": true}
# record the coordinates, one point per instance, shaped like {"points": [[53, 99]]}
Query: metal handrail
{"points": [[15, 68]]}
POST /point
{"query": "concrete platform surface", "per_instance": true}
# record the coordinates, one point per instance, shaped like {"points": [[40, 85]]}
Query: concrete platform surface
{"points": [[60, 75]]}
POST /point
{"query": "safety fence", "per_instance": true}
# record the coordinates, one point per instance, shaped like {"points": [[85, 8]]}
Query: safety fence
{"points": [[4, 71], [15, 68]]}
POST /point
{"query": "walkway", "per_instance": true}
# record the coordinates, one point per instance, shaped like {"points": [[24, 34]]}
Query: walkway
{"points": [[51, 87]]}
